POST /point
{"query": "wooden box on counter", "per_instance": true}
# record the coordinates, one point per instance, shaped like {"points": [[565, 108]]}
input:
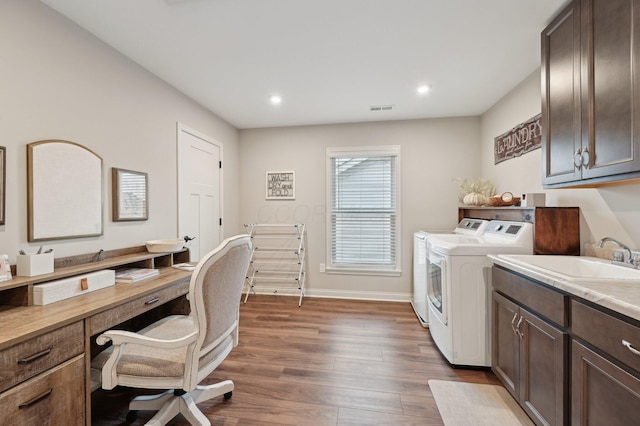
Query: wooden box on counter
{"points": [[556, 230]]}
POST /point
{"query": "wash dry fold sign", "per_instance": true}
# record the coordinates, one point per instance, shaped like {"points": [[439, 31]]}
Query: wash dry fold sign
{"points": [[521, 139]]}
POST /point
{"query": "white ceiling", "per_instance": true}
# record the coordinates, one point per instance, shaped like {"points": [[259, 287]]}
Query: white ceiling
{"points": [[330, 60]]}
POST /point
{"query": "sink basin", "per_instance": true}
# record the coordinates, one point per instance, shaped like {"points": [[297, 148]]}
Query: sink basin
{"points": [[575, 268]]}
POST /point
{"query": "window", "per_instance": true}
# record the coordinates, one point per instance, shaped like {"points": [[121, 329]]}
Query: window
{"points": [[363, 217]]}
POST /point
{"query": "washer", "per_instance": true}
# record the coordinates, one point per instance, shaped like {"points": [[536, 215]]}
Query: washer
{"points": [[466, 226], [459, 288]]}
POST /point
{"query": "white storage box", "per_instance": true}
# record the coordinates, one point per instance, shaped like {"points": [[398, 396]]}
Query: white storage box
{"points": [[54, 291], [29, 265]]}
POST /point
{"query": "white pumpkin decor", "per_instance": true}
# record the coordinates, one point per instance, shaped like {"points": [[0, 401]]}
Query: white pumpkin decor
{"points": [[475, 192], [474, 199]]}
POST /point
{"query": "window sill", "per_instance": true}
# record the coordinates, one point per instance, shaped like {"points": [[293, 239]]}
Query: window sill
{"points": [[364, 271]]}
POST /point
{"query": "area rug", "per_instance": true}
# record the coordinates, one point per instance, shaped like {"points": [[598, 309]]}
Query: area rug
{"points": [[471, 404]]}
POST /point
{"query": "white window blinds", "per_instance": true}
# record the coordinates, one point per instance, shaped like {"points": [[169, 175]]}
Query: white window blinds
{"points": [[363, 209]]}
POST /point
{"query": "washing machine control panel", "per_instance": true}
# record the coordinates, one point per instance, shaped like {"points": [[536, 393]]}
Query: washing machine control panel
{"points": [[506, 229], [470, 226]]}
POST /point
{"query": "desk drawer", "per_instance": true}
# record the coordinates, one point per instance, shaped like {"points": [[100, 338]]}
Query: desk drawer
{"points": [[107, 319], [36, 355], [606, 333], [52, 398]]}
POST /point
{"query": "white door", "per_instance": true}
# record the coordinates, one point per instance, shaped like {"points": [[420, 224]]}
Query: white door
{"points": [[199, 190]]}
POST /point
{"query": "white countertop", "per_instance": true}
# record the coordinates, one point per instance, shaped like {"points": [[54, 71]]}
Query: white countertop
{"points": [[619, 296]]}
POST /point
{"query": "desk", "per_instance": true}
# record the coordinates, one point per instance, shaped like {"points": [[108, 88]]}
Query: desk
{"points": [[45, 351]]}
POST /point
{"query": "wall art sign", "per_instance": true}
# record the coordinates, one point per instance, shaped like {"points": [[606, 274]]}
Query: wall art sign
{"points": [[521, 139], [281, 186]]}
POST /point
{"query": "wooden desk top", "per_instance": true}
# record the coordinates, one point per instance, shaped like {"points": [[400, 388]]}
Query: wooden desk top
{"points": [[18, 324]]}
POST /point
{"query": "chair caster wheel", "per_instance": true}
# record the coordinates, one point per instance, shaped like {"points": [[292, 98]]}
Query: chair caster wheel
{"points": [[132, 416], [228, 395]]}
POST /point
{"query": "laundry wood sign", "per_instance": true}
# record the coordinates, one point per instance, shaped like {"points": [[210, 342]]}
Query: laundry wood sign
{"points": [[521, 139]]}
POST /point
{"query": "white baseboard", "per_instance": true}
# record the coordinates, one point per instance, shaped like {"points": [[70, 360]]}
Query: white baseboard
{"points": [[337, 294]]}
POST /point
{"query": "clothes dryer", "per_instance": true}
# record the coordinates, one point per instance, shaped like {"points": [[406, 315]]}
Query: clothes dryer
{"points": [[466, 226]]}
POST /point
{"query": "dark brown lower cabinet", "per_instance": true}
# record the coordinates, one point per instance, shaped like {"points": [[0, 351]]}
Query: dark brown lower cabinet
{"points": [[529, 356], [602, 392], [565, 360], [505, 351]]}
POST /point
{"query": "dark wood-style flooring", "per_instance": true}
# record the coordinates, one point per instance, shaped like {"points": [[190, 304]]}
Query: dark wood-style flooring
{"points": [[329, 362]]}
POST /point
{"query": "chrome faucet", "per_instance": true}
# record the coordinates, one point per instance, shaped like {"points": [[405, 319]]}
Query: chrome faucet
{"points": [[628, 258]]}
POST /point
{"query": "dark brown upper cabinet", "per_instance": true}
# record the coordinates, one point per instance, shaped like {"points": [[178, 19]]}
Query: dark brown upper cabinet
{"points": [[591, 94]]}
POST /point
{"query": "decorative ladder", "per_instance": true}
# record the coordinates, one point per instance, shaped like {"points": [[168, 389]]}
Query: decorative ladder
{"points": [[277, 257]]}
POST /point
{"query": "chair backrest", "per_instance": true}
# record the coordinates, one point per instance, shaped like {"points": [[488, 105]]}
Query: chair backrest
{"points": [[215, 291]]}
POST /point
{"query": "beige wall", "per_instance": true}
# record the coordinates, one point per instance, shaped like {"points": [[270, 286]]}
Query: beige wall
{"points": [[612, 211], [433, 152], [60, 82]]}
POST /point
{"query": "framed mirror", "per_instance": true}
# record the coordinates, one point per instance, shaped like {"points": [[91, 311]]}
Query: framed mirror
{"points": [[64, 191], [3, 186], [130, 195]]}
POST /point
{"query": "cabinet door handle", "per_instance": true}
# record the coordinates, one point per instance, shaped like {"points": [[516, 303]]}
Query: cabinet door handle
{"points": [[631, 348], [520, 333], [36, 356], [585, 157], [36, 399], [152, 301], [577, 159], [513, 326]]}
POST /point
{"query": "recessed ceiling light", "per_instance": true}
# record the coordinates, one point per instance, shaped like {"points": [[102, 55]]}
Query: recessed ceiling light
{"points": [[275, 99], [423, 89]]}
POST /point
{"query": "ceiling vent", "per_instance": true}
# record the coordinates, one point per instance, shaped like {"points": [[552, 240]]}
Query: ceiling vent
{"points": [[381, 107]]}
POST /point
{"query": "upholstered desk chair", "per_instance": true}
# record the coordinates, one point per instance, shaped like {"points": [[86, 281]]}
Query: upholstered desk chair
{"points": [[179, 351]]}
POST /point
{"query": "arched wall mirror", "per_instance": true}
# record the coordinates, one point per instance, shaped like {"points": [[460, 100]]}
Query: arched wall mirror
{"points": [[64, 191]]}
